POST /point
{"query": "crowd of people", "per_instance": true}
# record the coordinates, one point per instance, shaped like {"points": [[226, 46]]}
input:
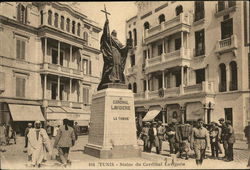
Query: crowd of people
{"points": [[197, 136]]}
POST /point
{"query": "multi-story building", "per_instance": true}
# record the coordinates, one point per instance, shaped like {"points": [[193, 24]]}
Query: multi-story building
{"points": [[47, 50], [190, 60]]}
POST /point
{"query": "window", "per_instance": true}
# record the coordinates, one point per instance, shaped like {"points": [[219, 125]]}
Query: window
{"points": [[85, 66], [56, 20], [199, 10], [177, 79], [146, 25], [135, 37], [53, 91], [129, 86], [144, 59], [54, 56], [160, 82], [20, 87], [233, 76], [85, 36], [144, 85], [20, 49], [178, 10], [132, 60], [130, 34], [199, 43], [200, 76], [223, 78], [177, 43], [134, 88], [85, 95], [231, 3], [160, 50], [78, 29], [41, 14], [62, 23], [73, 27], [61, 91], [50, 17], [227, 28], [67, 24], [221, 5], [161, 18], [21, 13]]}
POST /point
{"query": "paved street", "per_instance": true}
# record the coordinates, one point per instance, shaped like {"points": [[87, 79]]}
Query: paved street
{"points": [[15, 158]]}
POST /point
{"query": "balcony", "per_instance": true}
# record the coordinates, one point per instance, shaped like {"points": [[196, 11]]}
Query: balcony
{"points": [[177, 24], [226, 45], [132, 70], [225, 9], [58, 69], [204, 87], [168, 60]]}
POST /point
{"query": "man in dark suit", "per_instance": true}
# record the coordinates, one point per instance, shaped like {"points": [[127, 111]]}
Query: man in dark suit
{"points": [[153, 137]]}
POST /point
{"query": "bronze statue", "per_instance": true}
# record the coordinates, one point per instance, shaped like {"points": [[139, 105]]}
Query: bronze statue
{"points": [[114, 57]]}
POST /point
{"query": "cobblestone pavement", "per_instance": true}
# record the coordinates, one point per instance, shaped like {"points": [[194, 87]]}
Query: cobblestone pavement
{"points": [[15, 158]]}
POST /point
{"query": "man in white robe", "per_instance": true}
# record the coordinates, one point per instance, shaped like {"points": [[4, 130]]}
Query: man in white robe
{"points": [[39, 143]]}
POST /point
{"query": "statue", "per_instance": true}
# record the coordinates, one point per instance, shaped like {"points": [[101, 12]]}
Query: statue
{"points": [[114, 56]]}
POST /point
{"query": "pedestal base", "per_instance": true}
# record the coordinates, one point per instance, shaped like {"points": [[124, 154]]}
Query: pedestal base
{"points": [[112, 132]]}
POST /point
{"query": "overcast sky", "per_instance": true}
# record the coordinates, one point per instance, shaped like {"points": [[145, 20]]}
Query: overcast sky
{"points": [[120, 12]]}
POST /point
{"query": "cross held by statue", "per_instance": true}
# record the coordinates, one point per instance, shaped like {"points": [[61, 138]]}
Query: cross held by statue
{"points": [[106, 12]]}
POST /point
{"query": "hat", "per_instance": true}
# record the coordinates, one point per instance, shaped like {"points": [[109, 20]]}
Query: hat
{"points": [[154, 123], [30, 124], [37, 122], [221, 119], [159, 122]]}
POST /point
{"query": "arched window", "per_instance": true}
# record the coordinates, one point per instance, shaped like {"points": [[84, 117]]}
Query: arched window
{"points": [[130, 34], [56, 20], [62, 23], [146, 25], [135, 37], [134, 88], [161, 18], [85, 36], [129, 86], [21, 13], [41, 14], [78, 29], [178, 10], [223, 78], [50, 17], [233, 76], [73, 27], [68, 24]]}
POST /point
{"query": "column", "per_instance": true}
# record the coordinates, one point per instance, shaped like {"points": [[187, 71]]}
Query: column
{"points": [[45, 86], [147, 82], [70, 88], [188, 74], [58, 88], [163, 46], [227, 77], [182, 39], [150, 51], [183, 116], [182, 75], [70, 55], [163, 79], [163, 116], [205, 115], [80, 90], [45, 50], [58, 55]]}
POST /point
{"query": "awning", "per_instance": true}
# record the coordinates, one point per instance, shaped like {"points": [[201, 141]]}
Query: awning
{"points": [[25, 112], [152, 113]]}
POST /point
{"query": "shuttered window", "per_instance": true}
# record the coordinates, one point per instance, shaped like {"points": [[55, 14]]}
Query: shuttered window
{"points": [[20, 49], [90, 68], [85, 95], [20, 87]]}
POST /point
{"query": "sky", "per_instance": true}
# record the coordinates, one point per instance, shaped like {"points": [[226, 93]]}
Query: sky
{"points": [[120, 12]]}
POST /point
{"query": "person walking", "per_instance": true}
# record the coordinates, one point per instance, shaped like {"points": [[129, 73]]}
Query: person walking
{"points": [[230, 138], [39, 144], [222, 136], [185, 137], [199, 141], [247, 134], [26, 133], [160, 133], [65, 139], [2, 138], [214, 140], [172, 137], [76, 130], [145, 136], [153, 138]]}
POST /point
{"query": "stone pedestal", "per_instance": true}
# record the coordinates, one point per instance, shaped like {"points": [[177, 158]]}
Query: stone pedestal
{"points": [[112, 132]]}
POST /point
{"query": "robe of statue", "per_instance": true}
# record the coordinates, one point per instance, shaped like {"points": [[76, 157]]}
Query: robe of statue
{"points": [[114, 57]]}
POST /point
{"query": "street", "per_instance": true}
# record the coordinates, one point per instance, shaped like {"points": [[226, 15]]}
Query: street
{"points": [[15, 158]]}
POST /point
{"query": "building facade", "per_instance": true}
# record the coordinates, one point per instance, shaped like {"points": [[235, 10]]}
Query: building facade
{"points": [[47, 50], [190, 60]]}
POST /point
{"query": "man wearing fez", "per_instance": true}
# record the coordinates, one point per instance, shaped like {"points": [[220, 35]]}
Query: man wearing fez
{"points": [[114, 57]]}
